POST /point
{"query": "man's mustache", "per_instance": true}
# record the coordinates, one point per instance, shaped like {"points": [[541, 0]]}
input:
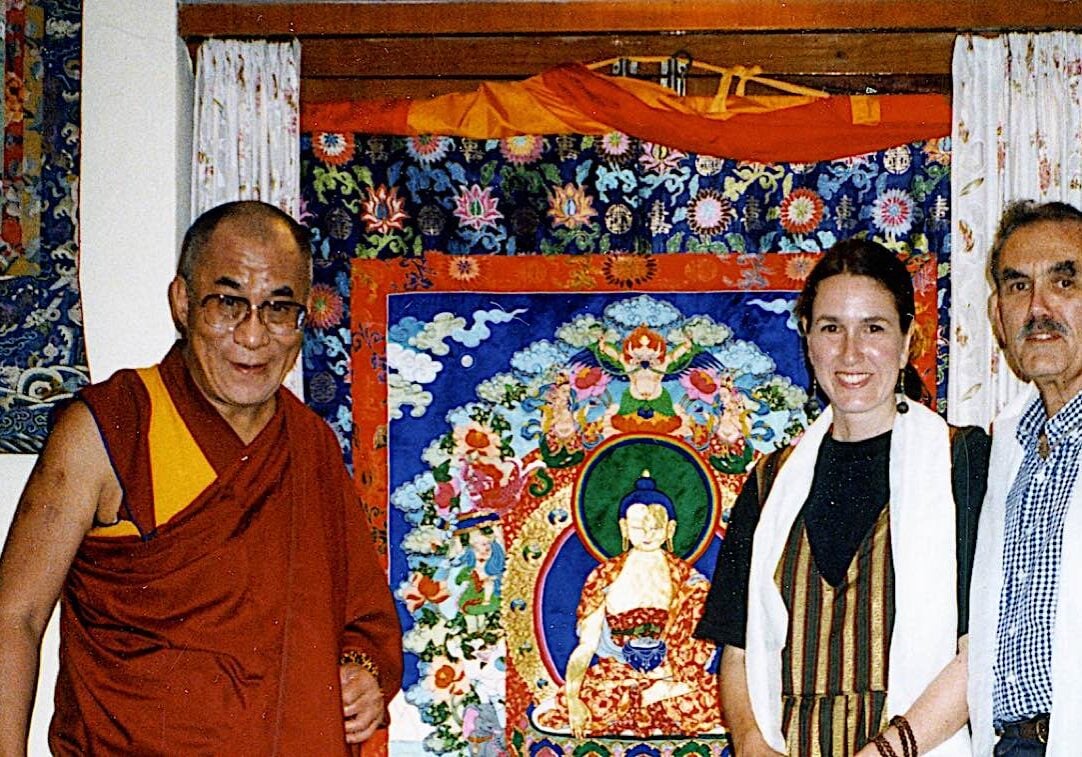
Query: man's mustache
{"points": [[1041, 325]]}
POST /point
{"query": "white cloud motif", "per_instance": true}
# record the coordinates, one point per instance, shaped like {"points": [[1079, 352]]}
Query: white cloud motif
{"points": [[642, 310], [583, 330], [412, 365], [537, 358], [431, 337], [778, 307], [401, 392], [741, 356], [480, 331], [705, 331]]}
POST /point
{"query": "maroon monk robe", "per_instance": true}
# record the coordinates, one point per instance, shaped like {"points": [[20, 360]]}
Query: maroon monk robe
{"points": [[219, 631]]}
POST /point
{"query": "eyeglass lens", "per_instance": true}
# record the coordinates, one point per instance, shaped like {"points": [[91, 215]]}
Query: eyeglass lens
{"points": [[226, 311]]}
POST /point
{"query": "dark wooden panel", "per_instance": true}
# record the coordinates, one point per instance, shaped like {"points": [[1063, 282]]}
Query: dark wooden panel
{"points": [[506, 17], [481, 56]]}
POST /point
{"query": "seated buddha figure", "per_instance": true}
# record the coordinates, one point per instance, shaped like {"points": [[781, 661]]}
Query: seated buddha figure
{"points": [[636, 670]]}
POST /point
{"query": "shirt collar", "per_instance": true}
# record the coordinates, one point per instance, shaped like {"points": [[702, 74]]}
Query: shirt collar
{"points": [[1034, 420]]}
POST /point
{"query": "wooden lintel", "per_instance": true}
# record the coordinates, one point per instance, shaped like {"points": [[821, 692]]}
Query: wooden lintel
{"points": [[613, 16], [521, 55]]}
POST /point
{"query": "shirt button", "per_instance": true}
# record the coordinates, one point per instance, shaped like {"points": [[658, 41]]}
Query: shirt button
{"points": [[1012, 631], [1022, 575], [1040, 476], [1011, 678]]}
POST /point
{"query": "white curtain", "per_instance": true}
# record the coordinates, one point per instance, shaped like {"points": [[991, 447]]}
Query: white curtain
{"points": [[247, 130], [1017, 134]]}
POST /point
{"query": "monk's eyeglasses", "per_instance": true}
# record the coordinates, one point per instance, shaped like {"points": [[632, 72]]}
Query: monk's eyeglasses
{"points": [[224, 312]]}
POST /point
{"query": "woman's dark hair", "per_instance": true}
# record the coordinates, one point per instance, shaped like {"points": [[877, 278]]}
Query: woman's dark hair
{"points": [[862, 257]]}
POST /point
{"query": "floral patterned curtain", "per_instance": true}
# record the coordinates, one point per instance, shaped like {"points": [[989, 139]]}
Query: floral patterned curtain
{"points": [[42, 352], [1017, 134]]}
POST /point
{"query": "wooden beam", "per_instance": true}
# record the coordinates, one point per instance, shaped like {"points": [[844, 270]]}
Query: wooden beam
{"points": [[477, 56], [585, 16]]}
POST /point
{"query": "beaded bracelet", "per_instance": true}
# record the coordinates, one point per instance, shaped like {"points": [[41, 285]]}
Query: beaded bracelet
{"points": [[884, 747], [359, 658], [905, 733]]}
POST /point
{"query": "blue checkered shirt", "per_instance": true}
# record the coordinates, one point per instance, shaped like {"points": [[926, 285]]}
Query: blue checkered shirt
{"points": [[1033, 542]]}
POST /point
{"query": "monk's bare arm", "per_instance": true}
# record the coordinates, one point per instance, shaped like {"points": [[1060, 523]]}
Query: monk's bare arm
{"points": [[70, 480]]}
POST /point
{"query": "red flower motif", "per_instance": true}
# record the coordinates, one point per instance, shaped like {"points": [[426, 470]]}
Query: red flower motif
{"points": [[326, 307], [522, 149], [589, 381], [445, 495], [423, 589], [384, 210], [710, 213], [477, 439], [701, 384], [704, 382], [333, 148], [892, 212], [628, 270], [801, 211], [463, 268]]}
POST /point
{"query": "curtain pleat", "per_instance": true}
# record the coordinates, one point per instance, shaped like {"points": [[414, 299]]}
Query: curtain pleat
{"points": [[1016, 134]]}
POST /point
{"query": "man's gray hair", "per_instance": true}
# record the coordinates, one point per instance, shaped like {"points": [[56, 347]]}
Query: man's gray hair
{"points": [[253, 212], [1022, 213]]}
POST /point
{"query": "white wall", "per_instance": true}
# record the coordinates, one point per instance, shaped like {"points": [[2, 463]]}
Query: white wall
{"points": [[133, 207]]}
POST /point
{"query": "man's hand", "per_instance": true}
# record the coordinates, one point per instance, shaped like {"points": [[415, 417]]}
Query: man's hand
{"points": [[362, 702]]}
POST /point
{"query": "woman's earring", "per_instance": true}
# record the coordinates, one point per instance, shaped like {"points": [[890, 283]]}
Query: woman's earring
{"points": [[899, 394], [811, 405]]}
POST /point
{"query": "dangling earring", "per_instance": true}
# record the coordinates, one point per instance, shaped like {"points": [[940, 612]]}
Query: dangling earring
{"points": [[811, 405], [899, 394]]}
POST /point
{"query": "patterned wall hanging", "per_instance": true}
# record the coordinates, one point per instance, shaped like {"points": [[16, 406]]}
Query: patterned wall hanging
{"points": [[387, 197], [516, 401], [542, 324], [42, 353]]}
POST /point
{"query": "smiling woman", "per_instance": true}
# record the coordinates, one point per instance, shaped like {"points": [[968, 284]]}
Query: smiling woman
{"points": [[857, 349], [833, 539]]}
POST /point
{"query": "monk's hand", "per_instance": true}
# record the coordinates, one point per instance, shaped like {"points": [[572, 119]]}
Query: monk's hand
{"points": [[362, 702]]}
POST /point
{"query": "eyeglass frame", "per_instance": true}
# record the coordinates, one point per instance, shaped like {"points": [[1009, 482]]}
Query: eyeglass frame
{"points": [[260, 310]]}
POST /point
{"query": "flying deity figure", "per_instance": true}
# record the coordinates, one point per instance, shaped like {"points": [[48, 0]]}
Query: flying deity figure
{"points": [[645, 361]]}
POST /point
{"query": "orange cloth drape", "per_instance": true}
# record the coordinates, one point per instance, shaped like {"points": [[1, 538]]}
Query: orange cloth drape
{"points": [[572, 99]]}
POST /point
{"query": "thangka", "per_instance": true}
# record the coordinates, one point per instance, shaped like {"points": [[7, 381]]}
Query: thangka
{"points": [[554, 457], [42, 353]]}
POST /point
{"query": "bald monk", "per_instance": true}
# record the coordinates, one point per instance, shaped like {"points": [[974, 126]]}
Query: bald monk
{"points": [[219, 592]]}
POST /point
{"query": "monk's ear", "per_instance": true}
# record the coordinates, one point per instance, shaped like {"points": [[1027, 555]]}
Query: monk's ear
{"points": [[179, 303]]}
